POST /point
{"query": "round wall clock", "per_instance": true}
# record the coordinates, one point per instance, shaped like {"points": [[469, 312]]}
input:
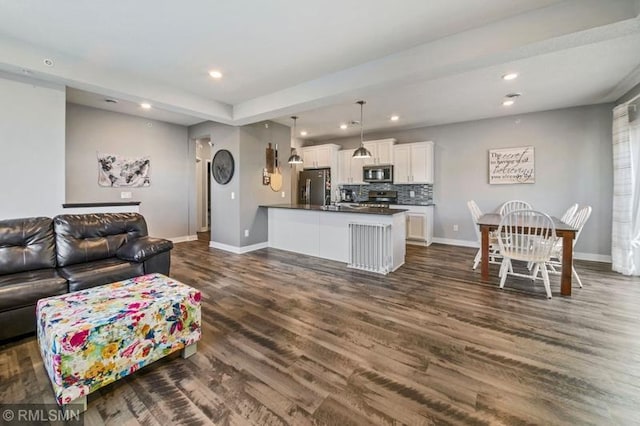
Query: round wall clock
{"points": [[222, 167]]}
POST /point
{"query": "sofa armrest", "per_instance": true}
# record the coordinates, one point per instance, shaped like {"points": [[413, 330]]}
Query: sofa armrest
{"points": [[143, 248]]}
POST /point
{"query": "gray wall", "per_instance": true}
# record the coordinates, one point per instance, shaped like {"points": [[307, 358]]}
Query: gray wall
{"points": [[165, 204], [253, 142], [231, 217], [31, 147], [225, 211], [573, 157]]}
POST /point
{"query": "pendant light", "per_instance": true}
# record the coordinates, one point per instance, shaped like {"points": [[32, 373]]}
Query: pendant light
{"points": [[294, 158], [361, 152]]}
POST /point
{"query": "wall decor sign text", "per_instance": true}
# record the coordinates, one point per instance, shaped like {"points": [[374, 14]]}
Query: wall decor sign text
{"points": [[511, 165]]}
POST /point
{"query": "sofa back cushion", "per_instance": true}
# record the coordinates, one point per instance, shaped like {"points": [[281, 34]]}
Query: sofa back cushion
{"points": [[26, 245], [87, 237]]}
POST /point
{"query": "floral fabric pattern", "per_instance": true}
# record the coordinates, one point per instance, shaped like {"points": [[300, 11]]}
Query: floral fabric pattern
{"points": [[94, 337]]}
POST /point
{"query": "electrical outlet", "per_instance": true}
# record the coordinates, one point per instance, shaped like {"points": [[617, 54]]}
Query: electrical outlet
{"points": [[455, 228], [125, 195], [412, 194], [283, 196], [233, 195], [246, 232]]}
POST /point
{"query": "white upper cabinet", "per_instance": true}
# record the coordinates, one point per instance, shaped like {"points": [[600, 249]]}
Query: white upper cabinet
{"points": [[402, 164], [385, 151], [413, 163], [381, 151], [319, 156], [344, 167], [349, 168], [309, 157], [422, 163], [356, 170], [325, 155]]}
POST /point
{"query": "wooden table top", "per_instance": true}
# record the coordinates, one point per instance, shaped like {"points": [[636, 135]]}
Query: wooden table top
{"points": [[493, 220]]}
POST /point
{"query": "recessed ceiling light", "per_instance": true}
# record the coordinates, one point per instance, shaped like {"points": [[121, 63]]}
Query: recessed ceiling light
{"points": [[510, 98], [395, 118], [215, 74], [510, 76], [303, 133], [343, 126], [145, 105], [48, 62]]}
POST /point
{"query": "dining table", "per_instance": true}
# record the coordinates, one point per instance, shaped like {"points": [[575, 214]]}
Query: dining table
{"points": [[491, 221]]}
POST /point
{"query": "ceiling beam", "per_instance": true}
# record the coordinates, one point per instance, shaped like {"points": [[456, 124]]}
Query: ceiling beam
{"points": [[542, 31]]}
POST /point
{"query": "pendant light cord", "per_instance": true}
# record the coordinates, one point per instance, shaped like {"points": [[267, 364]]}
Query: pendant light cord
{"points": [[294, 130], [361, 124]]}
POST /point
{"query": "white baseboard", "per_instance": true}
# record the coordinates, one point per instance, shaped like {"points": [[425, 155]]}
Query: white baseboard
{"points": [[452, 242], [183, 239], [592, 257], [205, 229], [577, 255], [238, 250]]}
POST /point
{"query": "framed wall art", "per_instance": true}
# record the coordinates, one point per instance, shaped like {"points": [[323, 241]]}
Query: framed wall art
{"points": [[511, 165], [222, 167], [116, 171]]}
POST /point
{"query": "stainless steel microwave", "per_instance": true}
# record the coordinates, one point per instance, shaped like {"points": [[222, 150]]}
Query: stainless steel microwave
{"points": [[377, 173]]}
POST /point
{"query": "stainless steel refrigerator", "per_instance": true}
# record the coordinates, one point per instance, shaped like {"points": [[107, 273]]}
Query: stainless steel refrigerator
{"points": [[314, 187]]}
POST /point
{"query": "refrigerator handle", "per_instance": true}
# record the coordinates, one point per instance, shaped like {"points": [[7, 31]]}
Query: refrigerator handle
{"points": [[307, 191]]}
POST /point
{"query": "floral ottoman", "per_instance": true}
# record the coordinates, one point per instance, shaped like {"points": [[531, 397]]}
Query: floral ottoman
{"points": [[91, 338]]}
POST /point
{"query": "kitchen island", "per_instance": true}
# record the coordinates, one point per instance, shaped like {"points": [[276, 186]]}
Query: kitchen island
{"points": [[371, 239]]}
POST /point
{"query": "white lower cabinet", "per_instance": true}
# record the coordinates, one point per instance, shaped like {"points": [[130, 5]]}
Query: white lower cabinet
{"points": [[419, 223], [416, 226]]}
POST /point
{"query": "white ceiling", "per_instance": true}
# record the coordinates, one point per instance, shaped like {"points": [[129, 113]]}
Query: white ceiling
{"points": [[580, 76], [416, 58], [82, 97]]}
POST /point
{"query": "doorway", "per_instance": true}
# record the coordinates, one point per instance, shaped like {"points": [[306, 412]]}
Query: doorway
{"points": [[208, 195], [203, 184]]}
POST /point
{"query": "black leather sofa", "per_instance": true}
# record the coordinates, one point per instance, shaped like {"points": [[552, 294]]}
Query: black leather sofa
{"points": [[41, 257]]}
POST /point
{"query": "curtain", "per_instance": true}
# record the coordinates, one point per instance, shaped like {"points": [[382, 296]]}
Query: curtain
{"points": [[634, 141], [625, 232]]}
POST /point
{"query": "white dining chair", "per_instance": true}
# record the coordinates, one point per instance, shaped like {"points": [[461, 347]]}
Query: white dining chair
{"points": [[513, 205], [493, 242], [578, 221], [568, 215], [566, 218], [524, 235]]}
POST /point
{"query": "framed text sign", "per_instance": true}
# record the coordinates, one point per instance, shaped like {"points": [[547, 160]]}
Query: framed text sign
{"points": [[511, 165]]}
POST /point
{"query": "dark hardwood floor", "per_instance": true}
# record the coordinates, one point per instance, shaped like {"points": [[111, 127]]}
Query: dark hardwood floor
{"points": [[296, 340]]}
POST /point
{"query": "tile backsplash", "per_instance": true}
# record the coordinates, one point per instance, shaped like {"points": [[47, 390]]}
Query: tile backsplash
{"points": [[423, 193]]}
